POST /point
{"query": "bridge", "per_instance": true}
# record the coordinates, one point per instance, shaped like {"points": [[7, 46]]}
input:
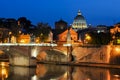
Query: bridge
{"points": [[28, 54]]}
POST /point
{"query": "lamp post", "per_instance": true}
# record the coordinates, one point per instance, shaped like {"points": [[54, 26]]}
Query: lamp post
{"points": [[41, 37], [10, 33], [87, 38]]}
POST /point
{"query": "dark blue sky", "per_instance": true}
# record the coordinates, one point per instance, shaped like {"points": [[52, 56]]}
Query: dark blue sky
{"points": [[95, 11]]}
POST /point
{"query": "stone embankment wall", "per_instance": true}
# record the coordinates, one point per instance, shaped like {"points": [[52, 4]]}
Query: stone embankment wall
{"points": [[91, 54]]}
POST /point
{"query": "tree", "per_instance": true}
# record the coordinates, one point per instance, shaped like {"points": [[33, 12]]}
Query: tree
{"points": [[42, 31], [100, 38], [24, 24], [2, 22]]}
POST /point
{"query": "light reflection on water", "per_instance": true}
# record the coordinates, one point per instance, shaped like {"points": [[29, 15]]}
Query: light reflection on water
{"points": [[4, 69], [57, 72]]}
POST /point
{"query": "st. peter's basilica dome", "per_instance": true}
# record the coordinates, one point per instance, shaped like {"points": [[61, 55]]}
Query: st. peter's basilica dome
{"points": [[79, 22]]}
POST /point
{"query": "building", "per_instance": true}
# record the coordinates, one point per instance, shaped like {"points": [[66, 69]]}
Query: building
{"points": [[101, 28], [61, 25], [64, 36], [115, 29], [79, 22], [115, 32], [24, 38]]}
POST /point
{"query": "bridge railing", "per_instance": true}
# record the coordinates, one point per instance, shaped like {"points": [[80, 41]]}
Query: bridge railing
{"points": [[37, 44], [30, 44]]}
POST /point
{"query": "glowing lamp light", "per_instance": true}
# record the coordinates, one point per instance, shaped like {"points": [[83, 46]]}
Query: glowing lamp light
{"points": [[37, 41], [4, 73], [10, 33], [88, 37], [22, 41], [34, 52], [67, 44], [88, 79], [118, 41], [116, 75], [2, 64], [34, 77], [117, 49]]}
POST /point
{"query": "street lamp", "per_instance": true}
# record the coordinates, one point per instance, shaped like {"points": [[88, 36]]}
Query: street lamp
{"points": [[41, 37], [10, 33], [87, 38], [20, 32]]}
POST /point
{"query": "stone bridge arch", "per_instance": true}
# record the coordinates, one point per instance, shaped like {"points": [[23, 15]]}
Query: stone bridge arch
{"points": [[52, 55], [4, 51], [4, 56], [56, 54]]}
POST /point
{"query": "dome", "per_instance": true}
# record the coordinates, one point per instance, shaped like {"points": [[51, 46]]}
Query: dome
{"points": [[79, 22], [79, 18]]}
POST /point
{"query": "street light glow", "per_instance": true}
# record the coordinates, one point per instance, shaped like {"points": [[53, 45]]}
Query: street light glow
{"points": [[117, 49], [88, 37]]}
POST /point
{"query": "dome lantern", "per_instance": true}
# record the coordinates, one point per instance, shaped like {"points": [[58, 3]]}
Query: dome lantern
{"points": [[79, 13]]}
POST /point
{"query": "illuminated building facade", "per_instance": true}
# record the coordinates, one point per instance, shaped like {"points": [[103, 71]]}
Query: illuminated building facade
{"points": [[115, 33], [24, 38], [63, 36]]}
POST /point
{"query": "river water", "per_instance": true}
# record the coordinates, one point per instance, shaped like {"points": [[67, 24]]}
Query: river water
{"points": [[57, 72]]}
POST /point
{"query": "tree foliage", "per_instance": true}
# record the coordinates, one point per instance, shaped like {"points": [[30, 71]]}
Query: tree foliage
{"points": [[24, 23], [42, 31], [100, 38]]}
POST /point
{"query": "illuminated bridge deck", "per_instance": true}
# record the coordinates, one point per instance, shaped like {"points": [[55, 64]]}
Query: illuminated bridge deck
{"points": [[30, 44]]}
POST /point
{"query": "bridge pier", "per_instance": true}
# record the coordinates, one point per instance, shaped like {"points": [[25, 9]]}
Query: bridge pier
{"points": [[21, 56], [69, 53]]}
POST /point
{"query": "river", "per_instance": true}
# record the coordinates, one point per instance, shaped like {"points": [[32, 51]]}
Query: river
{"points": [[57, 72]]}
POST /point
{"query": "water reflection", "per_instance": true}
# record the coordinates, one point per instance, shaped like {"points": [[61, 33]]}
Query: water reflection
{"points": [[21, 73], [115, 74], [86, 73], [50, 72], [4, 69], [57, 72]]}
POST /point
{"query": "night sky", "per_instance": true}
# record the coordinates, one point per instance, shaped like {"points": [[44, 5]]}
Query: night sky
{"points": [[96, 12]]}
